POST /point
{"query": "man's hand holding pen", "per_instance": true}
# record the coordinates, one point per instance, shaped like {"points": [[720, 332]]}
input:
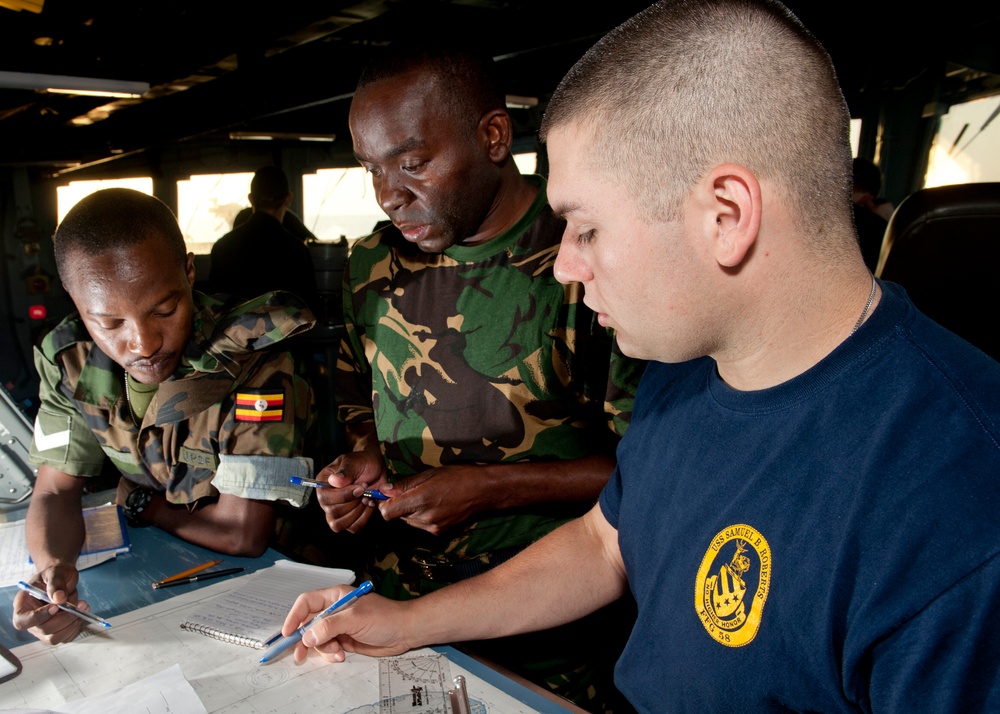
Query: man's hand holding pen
{"points": [[43, 619], [370, 626], [347, 477]]}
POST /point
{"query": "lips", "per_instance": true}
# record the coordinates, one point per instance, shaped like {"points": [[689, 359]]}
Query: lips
{"points": [[155, 368], [414, 233]]}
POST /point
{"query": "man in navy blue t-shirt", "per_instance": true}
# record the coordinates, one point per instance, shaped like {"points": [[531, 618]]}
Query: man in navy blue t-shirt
{"points": [[805, 503]]}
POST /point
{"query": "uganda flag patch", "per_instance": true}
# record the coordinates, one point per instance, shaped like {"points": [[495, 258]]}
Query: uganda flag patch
{"points": [[260, 405]]}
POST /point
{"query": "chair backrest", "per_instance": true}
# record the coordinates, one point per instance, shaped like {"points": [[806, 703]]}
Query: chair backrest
{"points": [[943, 245]]}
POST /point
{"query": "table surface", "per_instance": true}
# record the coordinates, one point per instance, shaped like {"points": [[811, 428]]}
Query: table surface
{"points": [[125, 583]]}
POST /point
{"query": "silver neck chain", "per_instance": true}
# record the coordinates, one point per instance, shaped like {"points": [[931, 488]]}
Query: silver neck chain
{"points": [[128, 400], [862, 316]]}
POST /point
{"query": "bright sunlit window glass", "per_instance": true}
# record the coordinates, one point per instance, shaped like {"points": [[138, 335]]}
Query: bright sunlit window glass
{"points": [[855, 136], [207, 205], [67, 196], [339, 202], [527, 163], [967, 145]]}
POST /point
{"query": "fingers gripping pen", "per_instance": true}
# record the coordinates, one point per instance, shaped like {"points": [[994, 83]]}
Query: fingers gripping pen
{"points": [[285, 642]]}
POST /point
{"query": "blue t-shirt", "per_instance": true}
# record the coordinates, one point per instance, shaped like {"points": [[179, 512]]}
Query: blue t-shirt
{"points": [[829, 544]]}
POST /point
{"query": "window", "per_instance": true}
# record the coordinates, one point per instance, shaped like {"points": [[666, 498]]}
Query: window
{"points": [[855, 137], [527, 163], [207, 205], [68, 196], [339, 202], [967, 145]]}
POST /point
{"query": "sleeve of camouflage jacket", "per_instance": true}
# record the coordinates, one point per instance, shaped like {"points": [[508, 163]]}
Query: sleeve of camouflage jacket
{"points": [[62, 439], [256, 455]]}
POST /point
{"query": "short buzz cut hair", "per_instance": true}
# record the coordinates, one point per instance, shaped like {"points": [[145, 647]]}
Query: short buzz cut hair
{"points": [[688, 85], [469, 78], [113, 219]]}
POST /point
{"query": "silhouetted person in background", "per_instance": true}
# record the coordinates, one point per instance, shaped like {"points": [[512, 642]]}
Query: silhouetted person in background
{"points": [[291, 223], [870, 225], [260, 255]]}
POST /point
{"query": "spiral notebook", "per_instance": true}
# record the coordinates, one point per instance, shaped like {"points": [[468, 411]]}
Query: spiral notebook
{"points": [[251, 614]]}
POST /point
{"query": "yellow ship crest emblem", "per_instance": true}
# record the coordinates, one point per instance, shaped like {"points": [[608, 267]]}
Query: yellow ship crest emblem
{"points": [[732, 585]]}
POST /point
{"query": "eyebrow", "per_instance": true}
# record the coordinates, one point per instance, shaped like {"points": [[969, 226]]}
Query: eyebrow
{"points": [[411, 144], [563, 209], [170, 296]]}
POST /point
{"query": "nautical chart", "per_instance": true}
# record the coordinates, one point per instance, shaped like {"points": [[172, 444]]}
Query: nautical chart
{"points": [[226, 677], [417, 684]]}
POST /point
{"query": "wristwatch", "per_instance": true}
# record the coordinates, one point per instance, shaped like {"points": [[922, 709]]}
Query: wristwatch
{"points": [[135, 503]]}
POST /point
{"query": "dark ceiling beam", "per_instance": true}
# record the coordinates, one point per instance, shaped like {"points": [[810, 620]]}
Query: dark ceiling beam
{"points": [[301, 84], [275, 83]]}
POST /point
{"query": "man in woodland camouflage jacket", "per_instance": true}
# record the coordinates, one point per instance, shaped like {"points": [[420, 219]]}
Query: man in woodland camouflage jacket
{"points": [[187, 397], [477, 392]]}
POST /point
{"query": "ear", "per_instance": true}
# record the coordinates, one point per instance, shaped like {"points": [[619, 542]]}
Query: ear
{"points": [[190, 268], [734, 212], [497, 133]]}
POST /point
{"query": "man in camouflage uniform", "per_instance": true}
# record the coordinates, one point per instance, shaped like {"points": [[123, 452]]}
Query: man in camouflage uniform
{"points": [[474, 387], [186, 396]]}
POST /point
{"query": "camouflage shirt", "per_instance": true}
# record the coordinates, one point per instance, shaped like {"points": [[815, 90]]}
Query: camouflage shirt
{"points": [[478, 355], [232, 419]]}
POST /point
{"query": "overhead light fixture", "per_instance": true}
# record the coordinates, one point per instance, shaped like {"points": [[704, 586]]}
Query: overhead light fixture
{"points": [[93, 93], [271, 135], [63, 84], [18, 5], [515, 102]]}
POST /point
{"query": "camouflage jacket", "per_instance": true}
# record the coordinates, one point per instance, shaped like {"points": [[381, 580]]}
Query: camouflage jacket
{"points": [[232, 419], [478, 355]]}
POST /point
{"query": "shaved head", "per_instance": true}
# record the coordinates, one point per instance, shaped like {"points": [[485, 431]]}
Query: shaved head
{"points": [[113, 219], [688, 85]]}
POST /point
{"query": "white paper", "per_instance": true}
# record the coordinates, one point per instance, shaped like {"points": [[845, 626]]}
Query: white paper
{"points": [[227, 678], [256, 608], [14, 561], [167, 692]]}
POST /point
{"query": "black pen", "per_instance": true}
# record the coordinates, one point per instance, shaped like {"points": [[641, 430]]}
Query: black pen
{"points": [[201, 576]]}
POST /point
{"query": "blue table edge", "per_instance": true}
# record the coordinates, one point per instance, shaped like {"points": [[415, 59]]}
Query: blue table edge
{"points": [[501, 681]]}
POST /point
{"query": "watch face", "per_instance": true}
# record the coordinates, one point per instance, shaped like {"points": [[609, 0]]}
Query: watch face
{"points": [[138, 499]]}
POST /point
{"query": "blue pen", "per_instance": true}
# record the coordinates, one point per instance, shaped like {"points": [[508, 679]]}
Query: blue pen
{"points": [[285, 642], [313, 483], [310, 482], [40, 594]]}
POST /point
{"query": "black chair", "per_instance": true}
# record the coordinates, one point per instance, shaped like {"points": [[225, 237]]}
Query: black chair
{"points": [[943, 245]]}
